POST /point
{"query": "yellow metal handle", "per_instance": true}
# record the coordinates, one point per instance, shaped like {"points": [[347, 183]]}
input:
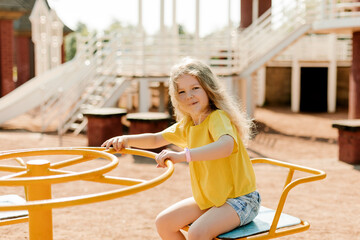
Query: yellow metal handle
{"points": [[92, 198], [316, 175], [23, 178]]}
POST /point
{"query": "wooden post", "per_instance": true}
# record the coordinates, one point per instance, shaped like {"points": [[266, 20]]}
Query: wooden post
{"points": [[55, 39], [246, 13], [6, 56], [332, 69], [295, 82], [264, 5], [354, 85]]}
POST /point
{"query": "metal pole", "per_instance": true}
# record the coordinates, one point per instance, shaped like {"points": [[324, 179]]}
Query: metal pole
{"points": [[40, 220]]}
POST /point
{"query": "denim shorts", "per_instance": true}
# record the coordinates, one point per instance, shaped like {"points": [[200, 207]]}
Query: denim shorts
{"points": [[246, 206]]}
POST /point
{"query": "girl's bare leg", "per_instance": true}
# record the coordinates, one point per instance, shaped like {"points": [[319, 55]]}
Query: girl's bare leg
{"points": [[215, 221], [171, 220]]}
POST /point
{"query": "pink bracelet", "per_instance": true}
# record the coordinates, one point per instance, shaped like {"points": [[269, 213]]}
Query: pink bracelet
{"points": [[187, 155]]}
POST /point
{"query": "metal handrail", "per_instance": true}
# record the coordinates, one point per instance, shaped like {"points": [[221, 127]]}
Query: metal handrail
{"points": [[316, 175], [137, 186], [135, 53]]}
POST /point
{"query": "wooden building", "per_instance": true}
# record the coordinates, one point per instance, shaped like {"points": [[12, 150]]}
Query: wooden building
{"points": [[17, 52]]}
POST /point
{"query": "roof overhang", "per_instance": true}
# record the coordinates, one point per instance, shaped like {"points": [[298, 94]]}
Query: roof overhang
{"points": [[11, 15]]}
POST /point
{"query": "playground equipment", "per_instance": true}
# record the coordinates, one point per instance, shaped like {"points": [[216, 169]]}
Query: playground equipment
{"points": [[38, 175], [270, 223], [92, 79]]}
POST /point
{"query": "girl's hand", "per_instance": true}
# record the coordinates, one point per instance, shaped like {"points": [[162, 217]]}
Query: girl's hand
{"points": [[118, 143], [164, 155]]}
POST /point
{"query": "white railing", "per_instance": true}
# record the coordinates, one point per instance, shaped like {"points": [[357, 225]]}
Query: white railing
{"points": [[272, 27], [339, 9], [155, 55], [278, 23], [62, 106], [138, 54], [315, 47], [230, 52]]}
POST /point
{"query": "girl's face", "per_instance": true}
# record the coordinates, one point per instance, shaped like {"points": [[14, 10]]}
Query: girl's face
{"points": [[192, 98]]}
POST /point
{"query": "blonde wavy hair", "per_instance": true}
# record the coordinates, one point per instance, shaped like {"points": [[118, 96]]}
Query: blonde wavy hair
{"points": [[218, 97]]}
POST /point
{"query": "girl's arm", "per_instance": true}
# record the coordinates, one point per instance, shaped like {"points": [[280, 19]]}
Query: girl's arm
{"points": [[222, 148], [145, 140]]}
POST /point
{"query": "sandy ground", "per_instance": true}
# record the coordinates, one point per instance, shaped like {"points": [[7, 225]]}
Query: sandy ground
{"points": [[332, 206]]}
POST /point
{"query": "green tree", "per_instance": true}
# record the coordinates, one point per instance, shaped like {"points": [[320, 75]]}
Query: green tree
{"points": [[82, 29], [181, 30], [70, 40], [70, 46], [116, 25]]}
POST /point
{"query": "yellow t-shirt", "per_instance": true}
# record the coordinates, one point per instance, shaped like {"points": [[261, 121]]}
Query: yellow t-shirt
{"points": [[214, 181]]}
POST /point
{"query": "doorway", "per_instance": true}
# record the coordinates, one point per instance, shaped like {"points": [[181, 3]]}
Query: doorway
{"points": [[313, 89]]}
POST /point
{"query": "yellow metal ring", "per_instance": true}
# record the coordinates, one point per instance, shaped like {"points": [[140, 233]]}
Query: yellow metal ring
{"points": [[92, 198], [87, 153]]}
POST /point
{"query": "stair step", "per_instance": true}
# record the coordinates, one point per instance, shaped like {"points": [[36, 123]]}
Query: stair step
{"points": [[74, 126], [99, 89], [86, 107], [81, 127]]}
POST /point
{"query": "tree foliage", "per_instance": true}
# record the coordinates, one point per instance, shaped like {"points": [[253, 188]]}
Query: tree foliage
{"points": [[70, 40]]}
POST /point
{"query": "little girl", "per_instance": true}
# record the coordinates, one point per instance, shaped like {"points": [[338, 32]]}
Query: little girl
{"points": [[211, 130]]}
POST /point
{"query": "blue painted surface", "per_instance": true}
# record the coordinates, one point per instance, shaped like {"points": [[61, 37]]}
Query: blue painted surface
{"points": [[261, 224]]}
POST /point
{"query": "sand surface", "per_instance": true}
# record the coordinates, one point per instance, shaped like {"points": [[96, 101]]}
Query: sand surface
{"points": [[332, 206]]}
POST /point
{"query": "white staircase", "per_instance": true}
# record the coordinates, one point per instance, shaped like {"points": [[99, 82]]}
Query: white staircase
{"points": [[104, 67], [285, 23], [101, 87], [61, 94], [43, 88], [103, 92], [136, 54]]}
